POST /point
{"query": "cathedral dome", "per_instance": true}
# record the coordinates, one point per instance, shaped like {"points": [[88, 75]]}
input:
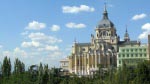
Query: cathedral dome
{"points": [[105, 22]]}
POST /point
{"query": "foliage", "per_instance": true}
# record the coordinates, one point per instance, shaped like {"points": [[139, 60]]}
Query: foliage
{"points": [[44, 75], [6, 67]]}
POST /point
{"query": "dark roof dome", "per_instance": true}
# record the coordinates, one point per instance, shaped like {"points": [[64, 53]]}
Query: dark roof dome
{"points": [[105, 22]]}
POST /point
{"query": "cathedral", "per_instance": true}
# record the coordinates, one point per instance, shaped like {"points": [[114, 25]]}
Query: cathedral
{"points": [[102, 50]]}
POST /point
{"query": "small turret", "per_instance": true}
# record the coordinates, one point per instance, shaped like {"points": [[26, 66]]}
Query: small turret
{"points": [[126, 35]]}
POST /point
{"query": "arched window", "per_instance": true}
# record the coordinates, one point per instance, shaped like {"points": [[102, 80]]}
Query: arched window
{"points": [[104, 33]]}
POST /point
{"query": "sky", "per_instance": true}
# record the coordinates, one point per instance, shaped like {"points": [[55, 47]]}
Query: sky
{"points": [[44, 30]]}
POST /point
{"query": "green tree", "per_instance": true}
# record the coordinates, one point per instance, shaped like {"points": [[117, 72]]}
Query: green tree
{"points": [[45, 77], [40, 73], [143, 73], [19, 67], [6, 67]]}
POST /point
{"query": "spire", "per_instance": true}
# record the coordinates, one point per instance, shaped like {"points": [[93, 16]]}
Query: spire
{"points": [[126, 35], [126, 29], [105, 14], [105, 10]]}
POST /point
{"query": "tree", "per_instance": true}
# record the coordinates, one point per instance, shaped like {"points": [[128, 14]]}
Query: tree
{"points": [[143, 73], [40, 75], [19, 67], [45, 77], [6, 67]]}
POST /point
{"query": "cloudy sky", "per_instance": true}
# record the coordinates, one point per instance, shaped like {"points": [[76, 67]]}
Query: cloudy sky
{"points": [[44, 30]]}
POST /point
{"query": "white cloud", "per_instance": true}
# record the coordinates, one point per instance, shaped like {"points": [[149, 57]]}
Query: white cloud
{"points": [[19, 52], [74, 25], [1, 46], [51, 48], [55, 28], [48, 48], [37, 46], [6, 53], [144, 34], [38, 36], [30, 44], [34, 25], [57, 53], [75, 9], [146, 26], [139, 16], [68, 47], [24, 33]]}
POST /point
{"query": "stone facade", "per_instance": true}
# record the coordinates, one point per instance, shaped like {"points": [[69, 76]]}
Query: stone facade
{"points": [[102, 50], [64, 64]]}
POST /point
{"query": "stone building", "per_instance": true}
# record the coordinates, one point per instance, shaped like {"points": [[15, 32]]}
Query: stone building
{"points": [[102, 50], [132, 55], [64, 64]]}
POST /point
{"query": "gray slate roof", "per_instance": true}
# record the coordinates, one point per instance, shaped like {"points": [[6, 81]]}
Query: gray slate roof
{"points": [[127, 42]]}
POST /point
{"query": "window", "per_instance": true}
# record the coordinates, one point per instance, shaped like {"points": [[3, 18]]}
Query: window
{"points": [[136, 55], [144, 55], [140, 50], [104, 33], [112, 40], [90, 50], [131, 50], [83, 49], [135, 50], [87, 60], [127, 55], [140, 55], [127, 50], [97, 36], [119, 62], [104, 24], [123, 55], [131, 55]]}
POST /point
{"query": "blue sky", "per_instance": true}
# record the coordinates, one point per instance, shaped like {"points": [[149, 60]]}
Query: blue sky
{"points": [[44, 30]]}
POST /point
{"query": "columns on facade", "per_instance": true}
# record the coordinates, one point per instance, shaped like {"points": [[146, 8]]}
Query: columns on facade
{"points": [[79, 66], [99, 58], [96, 60], [92, 62], [85, 64], [70, 64], [88, 55], [75, 63]]}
